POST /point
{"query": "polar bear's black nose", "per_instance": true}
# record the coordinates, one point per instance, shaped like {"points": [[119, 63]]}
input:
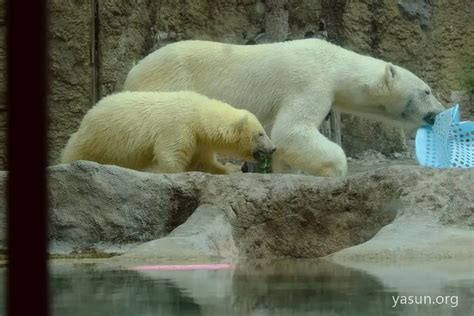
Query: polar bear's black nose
{"points": [[430, 118]]}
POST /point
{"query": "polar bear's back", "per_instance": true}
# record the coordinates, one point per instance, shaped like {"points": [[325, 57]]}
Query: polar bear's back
{"points": [[138, 112], [257, 78], [182, 65], [179, 66]]}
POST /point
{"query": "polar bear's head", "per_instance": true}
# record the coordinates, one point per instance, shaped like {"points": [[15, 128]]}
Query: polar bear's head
{"points": [[253, 138], [406, 97], [398, 95]]}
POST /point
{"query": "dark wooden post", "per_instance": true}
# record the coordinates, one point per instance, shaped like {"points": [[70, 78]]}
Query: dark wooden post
{"points": [[27, 290], [335, 125], [276, 20]]}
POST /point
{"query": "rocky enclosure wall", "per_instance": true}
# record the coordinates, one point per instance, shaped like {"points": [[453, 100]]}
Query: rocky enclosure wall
{"points": [[93, 44]]}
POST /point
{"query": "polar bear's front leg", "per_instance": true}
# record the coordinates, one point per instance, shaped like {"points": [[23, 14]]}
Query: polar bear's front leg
{"points": [[214, 166], [167, 165], [169, 161], [301, 146], [206, 161], [308, 150]]}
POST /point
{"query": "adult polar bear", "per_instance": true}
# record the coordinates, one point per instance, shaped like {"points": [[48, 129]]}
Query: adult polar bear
{"points": [[290, 87]]}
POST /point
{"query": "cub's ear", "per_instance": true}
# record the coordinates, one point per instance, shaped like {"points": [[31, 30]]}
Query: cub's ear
{"points": [[241, 123], [390, 75]]}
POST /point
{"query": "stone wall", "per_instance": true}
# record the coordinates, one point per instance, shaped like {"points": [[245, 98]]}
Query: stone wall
{"points": [[71, 69], [429, 38], [93, 44], [127, 33]]}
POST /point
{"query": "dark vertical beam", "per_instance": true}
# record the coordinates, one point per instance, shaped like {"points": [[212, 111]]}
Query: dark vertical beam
{"points": [[276, 20], [95, 53], [26, 161], [336, 127]]}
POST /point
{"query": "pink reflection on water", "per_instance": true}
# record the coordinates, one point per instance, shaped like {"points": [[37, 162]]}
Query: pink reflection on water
{"points": [[205, 266]]}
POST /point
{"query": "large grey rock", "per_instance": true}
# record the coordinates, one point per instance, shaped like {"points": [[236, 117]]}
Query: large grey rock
{"points": [[435, 220], [98, 208], [106, 208], [205, 236], [305, 217], [412, 212]]}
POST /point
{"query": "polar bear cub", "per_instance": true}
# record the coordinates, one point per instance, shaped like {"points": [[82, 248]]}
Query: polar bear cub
{"points": [[166, 132]]}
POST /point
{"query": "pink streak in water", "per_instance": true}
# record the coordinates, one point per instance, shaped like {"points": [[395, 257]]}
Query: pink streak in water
{"points": [[206, 266]]}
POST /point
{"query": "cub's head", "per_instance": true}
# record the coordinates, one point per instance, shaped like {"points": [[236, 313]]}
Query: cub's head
{"points": [[254, 142], [399, 95]]}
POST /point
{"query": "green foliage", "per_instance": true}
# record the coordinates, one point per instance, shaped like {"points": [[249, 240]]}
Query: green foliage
{"points": [[264, 165]]}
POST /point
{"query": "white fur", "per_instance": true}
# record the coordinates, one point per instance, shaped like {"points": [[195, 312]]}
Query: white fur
{"points": [[165, 132], [290, 87]]}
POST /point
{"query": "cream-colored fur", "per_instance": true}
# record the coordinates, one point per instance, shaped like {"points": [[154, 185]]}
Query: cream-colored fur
{"points": [[290, 87], [165, 132]]}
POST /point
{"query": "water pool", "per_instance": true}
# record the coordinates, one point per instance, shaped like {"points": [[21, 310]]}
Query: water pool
{"points": [[282, 287]]}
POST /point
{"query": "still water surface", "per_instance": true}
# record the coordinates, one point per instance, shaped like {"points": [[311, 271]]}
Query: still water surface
{"points": [[294, 287]]}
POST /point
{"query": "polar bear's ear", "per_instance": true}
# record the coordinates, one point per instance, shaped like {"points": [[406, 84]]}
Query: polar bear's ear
{"points": [[390, 75], [241, 123]]}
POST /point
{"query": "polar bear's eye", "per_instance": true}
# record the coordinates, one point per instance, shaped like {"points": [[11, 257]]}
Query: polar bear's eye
{"points": [[260, 134], [427, 91]]}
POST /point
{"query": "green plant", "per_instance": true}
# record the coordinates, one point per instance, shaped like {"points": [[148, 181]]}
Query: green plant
{"points": [[264, 165]]}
